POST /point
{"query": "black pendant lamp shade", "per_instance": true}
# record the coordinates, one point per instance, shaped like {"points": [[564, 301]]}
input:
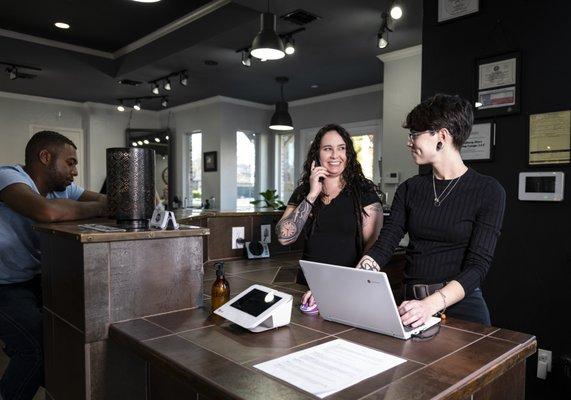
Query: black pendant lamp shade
{"points": [[267, 45], [281, 120]]}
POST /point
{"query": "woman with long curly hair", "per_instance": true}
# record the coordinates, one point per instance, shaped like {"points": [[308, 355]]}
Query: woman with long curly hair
{"points": [[335, 207]]}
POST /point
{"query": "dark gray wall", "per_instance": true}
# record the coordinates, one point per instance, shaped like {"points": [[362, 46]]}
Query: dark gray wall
{"points": [[527, 286]]}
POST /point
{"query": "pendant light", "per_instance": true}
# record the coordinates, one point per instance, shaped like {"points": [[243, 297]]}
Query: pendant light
{"points": [[281, 120], [267, 44]]}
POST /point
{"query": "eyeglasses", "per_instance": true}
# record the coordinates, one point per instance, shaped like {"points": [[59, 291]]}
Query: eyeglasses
{"points": [[414, 134]]}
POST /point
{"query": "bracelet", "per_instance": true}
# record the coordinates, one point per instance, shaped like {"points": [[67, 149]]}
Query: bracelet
{"points": [[310, 203], [442, 313]]}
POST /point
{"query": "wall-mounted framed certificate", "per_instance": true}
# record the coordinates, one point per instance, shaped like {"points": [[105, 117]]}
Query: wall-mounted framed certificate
{"points": [[449, 10], [550, 138], [480, 144], [498, 85]]}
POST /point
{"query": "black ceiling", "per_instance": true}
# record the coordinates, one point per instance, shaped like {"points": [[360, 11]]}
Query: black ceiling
{"points": [[336, 52]]}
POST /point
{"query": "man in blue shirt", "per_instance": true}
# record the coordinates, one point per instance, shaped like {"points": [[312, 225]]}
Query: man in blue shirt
{"points": [[40, 191]]}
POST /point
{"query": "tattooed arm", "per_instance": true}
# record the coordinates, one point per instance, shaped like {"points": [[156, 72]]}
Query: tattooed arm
{"points": [[293, 221], [372, 224], [368, 263]]}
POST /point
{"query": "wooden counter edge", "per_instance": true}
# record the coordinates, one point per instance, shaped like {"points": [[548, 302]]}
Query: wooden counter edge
{"points": [[485, 375]]}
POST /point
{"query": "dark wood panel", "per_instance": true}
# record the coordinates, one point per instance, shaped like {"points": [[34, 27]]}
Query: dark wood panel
{"points": [[139, 285], [67, 372], [220, 243], [509, 386], [165, 386], [65, 278]]}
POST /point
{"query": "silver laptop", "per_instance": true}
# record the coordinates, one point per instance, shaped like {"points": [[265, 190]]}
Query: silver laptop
{"points": [[359, 298]]}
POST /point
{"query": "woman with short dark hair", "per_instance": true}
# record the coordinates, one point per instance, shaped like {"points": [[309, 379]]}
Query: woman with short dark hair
{"points": [[453, 216], [335, 207]]}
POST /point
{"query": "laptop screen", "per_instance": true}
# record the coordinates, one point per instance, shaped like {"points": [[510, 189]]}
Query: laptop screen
{"points": [[254, 302]]}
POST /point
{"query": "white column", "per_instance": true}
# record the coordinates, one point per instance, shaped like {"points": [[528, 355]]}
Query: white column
{"points": [[401, 92]]}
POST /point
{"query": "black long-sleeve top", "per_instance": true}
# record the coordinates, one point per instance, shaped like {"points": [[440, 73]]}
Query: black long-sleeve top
{"points": [[455, 241]]}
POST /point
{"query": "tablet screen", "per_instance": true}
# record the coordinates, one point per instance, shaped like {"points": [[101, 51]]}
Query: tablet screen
{"points": [[254, 302]]}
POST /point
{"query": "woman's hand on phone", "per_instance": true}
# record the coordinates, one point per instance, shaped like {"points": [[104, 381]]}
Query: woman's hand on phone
{"points": [[315, 185]]}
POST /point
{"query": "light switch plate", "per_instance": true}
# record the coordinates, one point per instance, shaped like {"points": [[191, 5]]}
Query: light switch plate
{"points": [[266, 233], [237, 233]]}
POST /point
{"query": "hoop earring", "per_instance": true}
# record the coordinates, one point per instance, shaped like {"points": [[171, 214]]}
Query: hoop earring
{"points": [[439, 146]]}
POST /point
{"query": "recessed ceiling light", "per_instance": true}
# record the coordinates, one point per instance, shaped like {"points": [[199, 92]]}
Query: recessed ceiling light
{"points": [[314, 86], [62, 25]]}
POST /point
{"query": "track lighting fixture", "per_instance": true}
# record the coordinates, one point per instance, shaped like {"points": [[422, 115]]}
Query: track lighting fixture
{"points": [[290, 46], [281, 120], [396, 10], [134, 144], [156, 89], [12, 73], [137, 102], [157, 140], [167, 85], [246, 58], [140, 143], [146, 141], [383, 34], [267, 44]]}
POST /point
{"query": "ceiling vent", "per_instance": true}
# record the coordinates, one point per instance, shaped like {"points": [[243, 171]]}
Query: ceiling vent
{"points": [[299, 17]]}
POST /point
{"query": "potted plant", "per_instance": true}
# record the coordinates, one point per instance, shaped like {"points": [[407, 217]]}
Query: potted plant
{"points": [[270, 200]]}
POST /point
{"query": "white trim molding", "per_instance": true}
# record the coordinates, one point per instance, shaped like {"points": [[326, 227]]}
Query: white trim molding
{"points": [[337, 95], [54, 43], [400, 54]]}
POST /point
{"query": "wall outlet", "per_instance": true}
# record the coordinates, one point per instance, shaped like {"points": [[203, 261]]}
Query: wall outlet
{"points": [[237, 233], [544, 356], [266, 233]]}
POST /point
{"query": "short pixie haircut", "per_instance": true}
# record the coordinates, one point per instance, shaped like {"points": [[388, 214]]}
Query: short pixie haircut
{"points": [[443, 111]]}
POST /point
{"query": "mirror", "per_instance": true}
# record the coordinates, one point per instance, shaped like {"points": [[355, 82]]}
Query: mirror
{"points": [[162, 141]]}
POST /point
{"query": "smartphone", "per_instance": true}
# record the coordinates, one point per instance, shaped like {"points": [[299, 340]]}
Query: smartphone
{"points": [[318, 164]]}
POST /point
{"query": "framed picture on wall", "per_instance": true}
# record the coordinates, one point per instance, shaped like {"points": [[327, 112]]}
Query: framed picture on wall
{"points": [[449, 10], [498, 85], [480, 144], [550, 138], [210, 161]]}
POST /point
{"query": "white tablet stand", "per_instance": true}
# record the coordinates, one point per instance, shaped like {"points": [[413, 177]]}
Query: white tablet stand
{"points": [[278, 314]]}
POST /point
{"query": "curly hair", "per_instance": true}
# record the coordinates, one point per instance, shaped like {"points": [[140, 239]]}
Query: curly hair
{"points": [[353, 177]]}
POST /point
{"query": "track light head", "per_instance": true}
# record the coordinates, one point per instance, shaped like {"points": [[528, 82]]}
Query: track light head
{"points": [[155, 88], [121, 107], [167, 85], [246, 58], [183, 79], [134, 144], [12, 73], [383, 40], [137, 105], [164, 102], [290, 46]]}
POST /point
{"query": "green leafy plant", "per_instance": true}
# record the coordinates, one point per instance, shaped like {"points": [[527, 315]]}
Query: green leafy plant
{"points": [[270, 199]]}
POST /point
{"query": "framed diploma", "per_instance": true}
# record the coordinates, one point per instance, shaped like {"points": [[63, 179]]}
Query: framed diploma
{"points": [[497, 85], [452, 9], [480, 144], [550, 138]]}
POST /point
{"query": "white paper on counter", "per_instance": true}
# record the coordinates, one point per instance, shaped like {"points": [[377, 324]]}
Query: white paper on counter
{"points": [[330, 367]]}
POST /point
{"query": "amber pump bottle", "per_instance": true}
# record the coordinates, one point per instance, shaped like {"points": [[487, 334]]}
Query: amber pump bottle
{"points": [[220, 287]]}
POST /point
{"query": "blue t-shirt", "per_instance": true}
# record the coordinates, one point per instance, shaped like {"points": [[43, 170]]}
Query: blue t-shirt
{"points": [[19, 244]]}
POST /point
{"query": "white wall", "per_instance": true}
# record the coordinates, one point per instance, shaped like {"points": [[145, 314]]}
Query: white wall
{"points": [[103, 126], [401, 92]]}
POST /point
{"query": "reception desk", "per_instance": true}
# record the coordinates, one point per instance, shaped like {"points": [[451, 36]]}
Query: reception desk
{"points": [[91, 280], [191, 354]]}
